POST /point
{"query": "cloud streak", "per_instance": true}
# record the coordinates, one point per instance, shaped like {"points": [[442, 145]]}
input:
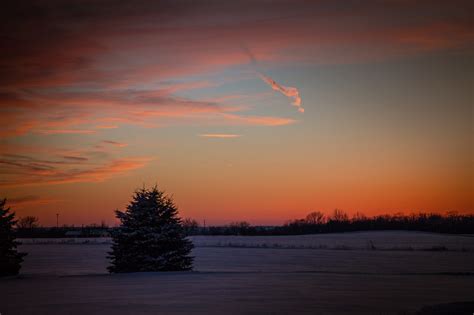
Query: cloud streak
{"points": [[59, 166], [31, 174], [289, 92], [30, 200], [115, 143], [219, 135], [89, 112]]}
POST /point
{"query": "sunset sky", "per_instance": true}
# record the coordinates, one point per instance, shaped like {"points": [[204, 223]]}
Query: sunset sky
{"points": [[260, 111]]}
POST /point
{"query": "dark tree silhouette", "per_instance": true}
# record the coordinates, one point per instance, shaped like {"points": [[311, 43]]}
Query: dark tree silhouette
{"points": [[240, 228], [191, 226], [315, 218], [10, 258], [339, 216], [151, 236], [28, 222]]}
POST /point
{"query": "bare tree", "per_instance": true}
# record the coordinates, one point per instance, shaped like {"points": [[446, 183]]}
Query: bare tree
{"points": [[28, 222], [358, 216], [190, 226], [339, 216], [315, 218]]}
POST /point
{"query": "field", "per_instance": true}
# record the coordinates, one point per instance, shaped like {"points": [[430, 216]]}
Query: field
{"points": [[365, 273]]}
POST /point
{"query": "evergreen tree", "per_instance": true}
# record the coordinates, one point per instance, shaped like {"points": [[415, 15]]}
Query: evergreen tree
{"points": [[10, 258], [150, 237]]}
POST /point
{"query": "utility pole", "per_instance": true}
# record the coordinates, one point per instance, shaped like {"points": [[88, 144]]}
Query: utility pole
{"points": [[57, 220]]}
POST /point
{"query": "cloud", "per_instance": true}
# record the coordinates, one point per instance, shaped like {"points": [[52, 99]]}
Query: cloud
{"points": [[106, 127], [290, 92], [23, 174], [65, 131], [38, 165], [123, 46], [219, 135], [75, 158], [91, 112], [30, 200], [115, 46], [257, 120], [101, 67], [115, 143], [23, 199]]}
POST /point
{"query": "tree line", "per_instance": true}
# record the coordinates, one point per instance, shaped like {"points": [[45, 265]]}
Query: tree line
{"points": [[315, 222], [339, 221]]}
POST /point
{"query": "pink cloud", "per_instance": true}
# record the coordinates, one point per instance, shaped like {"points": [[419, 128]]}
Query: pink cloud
{"points": [[219, 135], [257, 120], [118, 47], [120, 68], [290, 92]]}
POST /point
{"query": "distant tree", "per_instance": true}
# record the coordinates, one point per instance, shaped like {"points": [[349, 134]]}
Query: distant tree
{"points": [[27, 223], [339, 216], [315, 218], [10, 258], [190, 226], [239, 228], [358, 216], [150, 237]]}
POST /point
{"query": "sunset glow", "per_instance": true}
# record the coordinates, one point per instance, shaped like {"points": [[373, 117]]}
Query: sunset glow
{"points": [[262, 116]]}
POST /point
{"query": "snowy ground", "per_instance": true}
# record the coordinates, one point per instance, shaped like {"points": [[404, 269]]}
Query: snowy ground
{"points": [[384, 240], [331, 273]]}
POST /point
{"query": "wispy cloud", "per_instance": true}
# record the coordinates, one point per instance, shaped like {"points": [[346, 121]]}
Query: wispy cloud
{"points": [[100, 111], [290, 92], [75, 158], [219, 135], [42, 166], [65, 131], [257, 120], [106, 127], [115, 143], [76, 51], [22, 174], [30, 200]]}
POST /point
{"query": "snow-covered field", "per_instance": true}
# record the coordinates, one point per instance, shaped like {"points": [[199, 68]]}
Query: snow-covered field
{"points": [[330, 273], [381, 240]]}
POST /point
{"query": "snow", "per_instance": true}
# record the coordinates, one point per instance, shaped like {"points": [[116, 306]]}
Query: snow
{"points": [[389, 240], [297, 275]]}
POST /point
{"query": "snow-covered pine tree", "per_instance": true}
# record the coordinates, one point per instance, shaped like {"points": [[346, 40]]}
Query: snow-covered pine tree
{"points": [[10, 258], [150, 237]]}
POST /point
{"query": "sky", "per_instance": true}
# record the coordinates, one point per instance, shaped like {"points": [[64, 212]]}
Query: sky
{"points": [[240, 110]]}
